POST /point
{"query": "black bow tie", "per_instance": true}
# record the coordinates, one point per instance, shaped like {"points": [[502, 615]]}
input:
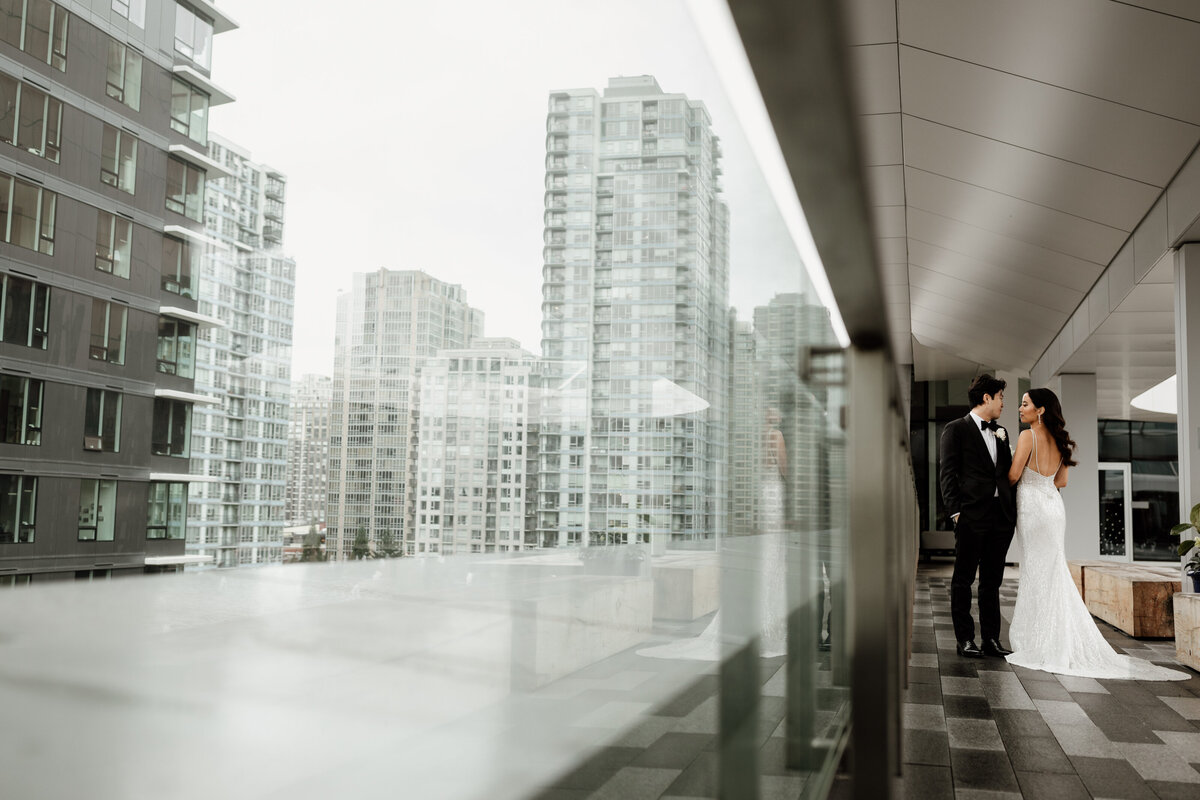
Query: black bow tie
{"points": [[989, 426]]}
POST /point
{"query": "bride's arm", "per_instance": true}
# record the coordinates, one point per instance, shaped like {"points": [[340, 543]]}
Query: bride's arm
{"points": [[1021, 457], [1060, 477]]}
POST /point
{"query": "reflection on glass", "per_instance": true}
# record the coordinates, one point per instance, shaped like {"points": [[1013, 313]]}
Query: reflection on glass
{"points": [[1112, 512]]}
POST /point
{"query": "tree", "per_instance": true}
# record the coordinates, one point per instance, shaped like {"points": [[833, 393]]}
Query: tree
{"points": [[312, 545], [362, 548], [387, 547]]}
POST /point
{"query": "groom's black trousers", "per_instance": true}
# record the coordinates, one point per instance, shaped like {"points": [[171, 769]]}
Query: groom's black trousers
{"points": [[979, 545]]}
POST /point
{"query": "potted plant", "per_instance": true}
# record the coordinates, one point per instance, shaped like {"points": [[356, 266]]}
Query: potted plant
{"points": [[1189, 546]]}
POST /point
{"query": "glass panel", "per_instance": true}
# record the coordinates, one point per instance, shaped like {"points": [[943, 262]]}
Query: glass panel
{"points": [[11, 21], [176, 186], [38, 21], [1112, 512], [1155, 510], [88, 509], [9, 89], [30, 129], [23, 230], [10, 500], [198, 124], [108, 155], [18, 301], [180, 105]]}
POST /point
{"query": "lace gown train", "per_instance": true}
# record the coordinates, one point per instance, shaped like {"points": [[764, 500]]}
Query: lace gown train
{"points": [[1051, 628]]}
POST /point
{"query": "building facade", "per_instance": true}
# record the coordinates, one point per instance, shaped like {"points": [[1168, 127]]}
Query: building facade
{"points": [[239, 438], [308, 450], [635, 330], [388, 325], [473, 436], [102, 173]]}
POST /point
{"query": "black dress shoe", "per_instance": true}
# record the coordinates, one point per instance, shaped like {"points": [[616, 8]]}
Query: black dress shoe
{"points": [[968, 649], [992, 647]]}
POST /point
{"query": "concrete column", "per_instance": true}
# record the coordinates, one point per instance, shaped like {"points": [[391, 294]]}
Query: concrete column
{"points": [[1187, 372], [1082, 494]]}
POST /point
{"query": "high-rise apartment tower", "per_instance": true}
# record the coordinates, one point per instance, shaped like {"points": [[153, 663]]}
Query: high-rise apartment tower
{"points": [[308, 450], [239, 438], [388, 325], [635, 329], [102, 180]]}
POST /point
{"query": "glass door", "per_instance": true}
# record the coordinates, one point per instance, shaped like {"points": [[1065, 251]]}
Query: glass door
{"points": [[1116, 512]]}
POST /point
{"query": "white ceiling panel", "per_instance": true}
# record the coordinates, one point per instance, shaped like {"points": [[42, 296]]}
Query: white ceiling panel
{"points": [[1022, 287], [875, 75], [885, 185], [1149, 297], [1046, 119], [1000, 349], [1163, 271], [888, 221], [892, 250], [881, 141], [1013, 217], [1184, 9], [870, 21], [1002, 251], [1040, 179], [935, 295], [1104, 49], [1125, 323]]}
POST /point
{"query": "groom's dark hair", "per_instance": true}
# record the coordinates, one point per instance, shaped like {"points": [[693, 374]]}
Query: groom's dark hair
{"points": [[984, 384]]}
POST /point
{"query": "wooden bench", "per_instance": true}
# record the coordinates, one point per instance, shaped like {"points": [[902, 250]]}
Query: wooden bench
{"points": [[1076, 568], [1187, 629], [1136, 599]]}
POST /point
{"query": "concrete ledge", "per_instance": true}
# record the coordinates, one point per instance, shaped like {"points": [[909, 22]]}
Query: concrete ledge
{"points": [[686, 586]]}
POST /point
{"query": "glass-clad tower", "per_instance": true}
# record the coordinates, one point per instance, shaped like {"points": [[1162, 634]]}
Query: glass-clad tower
{"points": [[308, 450], [387, 326], [239, 438], [635, 329]]}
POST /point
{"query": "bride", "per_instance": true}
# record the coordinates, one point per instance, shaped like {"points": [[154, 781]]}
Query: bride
{"points": [[1051, 628]]}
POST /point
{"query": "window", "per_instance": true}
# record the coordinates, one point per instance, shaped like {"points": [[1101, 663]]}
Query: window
{"points": [[97, 510], [189, 111], [132, 10], [18, 507], [25, 310], [39, 27], [118, 159], [108, 331], [124, 74], [193, 35], [102, 421], [176, 347], [172, 428], [167, 511], [185, 189], [30, 118], [113, 234], [179, 261], [27, 214], [21, 410]]}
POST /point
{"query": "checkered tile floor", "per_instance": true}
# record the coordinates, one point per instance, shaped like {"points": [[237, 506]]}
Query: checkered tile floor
{"points": [[977, 729]]}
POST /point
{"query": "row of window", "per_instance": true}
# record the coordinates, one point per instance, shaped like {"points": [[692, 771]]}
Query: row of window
{"points": [[166, 513], [22, 400], [114, 253]]}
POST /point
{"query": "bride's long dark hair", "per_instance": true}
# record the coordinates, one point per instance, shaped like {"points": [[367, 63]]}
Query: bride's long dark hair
{"points": [[1056, 426]]}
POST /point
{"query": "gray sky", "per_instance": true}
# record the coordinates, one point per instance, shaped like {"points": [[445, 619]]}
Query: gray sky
{"points": [[413, 137]]}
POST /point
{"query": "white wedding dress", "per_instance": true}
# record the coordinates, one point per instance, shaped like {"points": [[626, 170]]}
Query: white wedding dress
{"points": [[1051, 628]]}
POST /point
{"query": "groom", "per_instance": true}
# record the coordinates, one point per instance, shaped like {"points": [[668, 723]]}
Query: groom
{"points": [[975, 458]]}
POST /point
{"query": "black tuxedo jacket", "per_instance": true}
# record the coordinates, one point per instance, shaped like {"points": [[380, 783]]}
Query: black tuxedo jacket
{"points": [[968, 478]]}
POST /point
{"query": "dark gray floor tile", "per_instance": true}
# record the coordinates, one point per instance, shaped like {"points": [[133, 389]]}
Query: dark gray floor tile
{"points": [[1046, 690], [982, 769], [698, 780], [1047, 786], [1112, 778], [563, 794], [1037, 754], [1169, 790], [1020, 724], [673, 750], [959, 667], [1112, 717], [597, 769], [923, 693], [686, 701], [924, 675], [927, 747], [924, 647], [995, 664], [967, 706], [1143, 705], [928, 782]]}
